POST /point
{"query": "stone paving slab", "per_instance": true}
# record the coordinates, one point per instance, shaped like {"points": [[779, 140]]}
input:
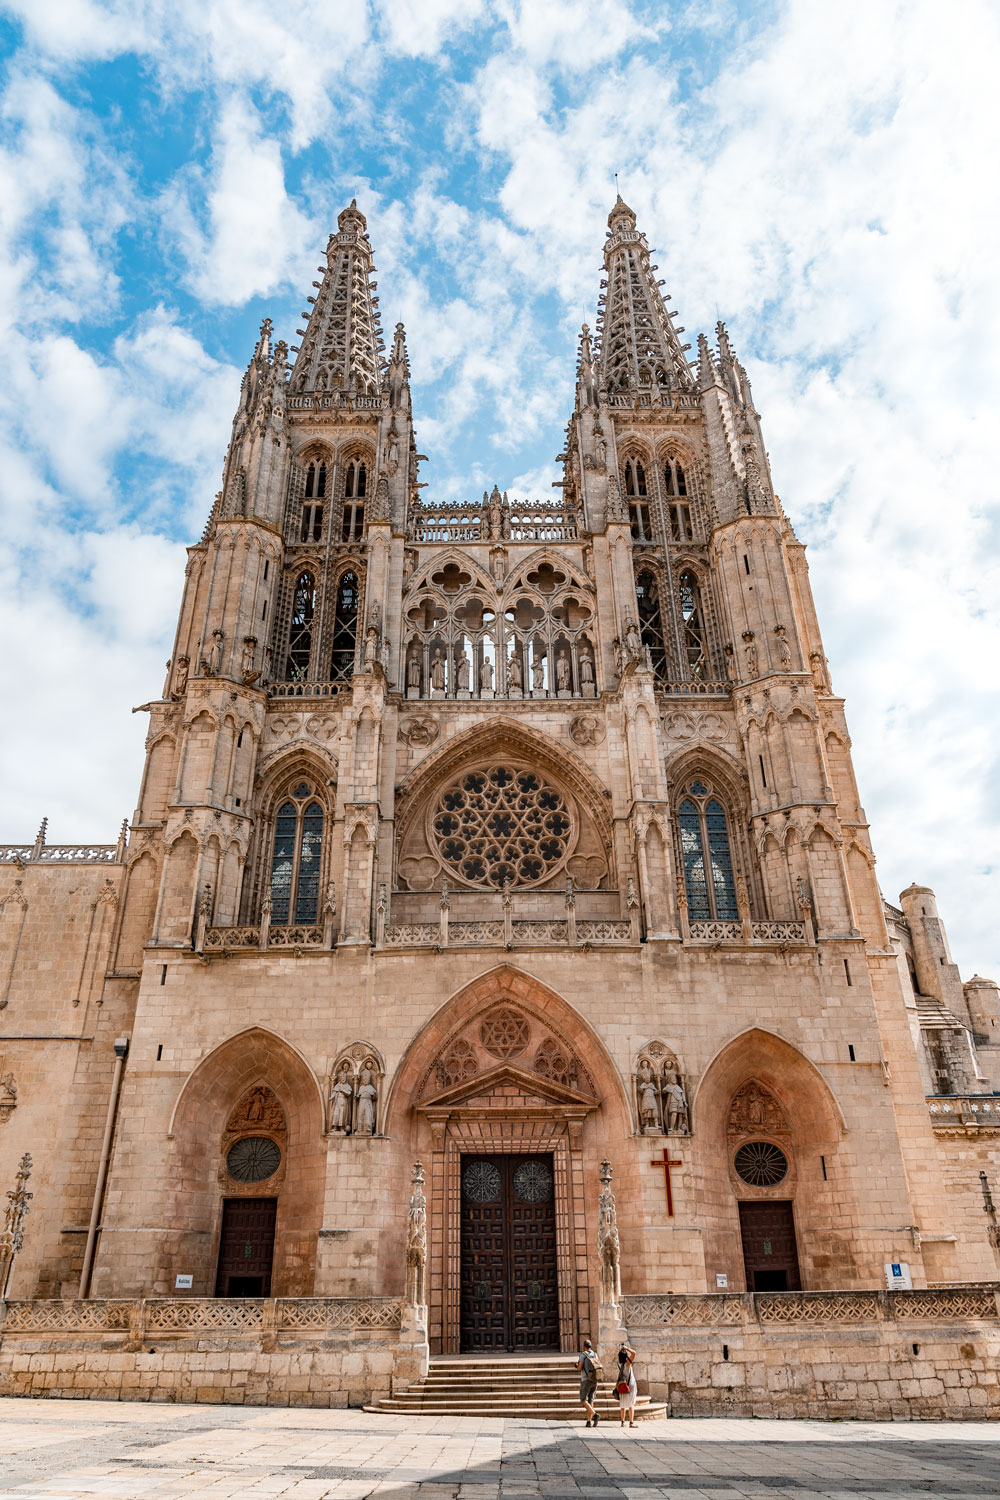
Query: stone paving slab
{"points": [[68, 1450]]}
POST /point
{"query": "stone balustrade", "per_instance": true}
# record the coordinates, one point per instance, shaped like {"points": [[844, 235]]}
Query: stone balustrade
{"points": [[307, 689], [141, 1318], [736, 1309], [968, 1111], [60, 854], [524, 521], [236, 939], [737, 933]]}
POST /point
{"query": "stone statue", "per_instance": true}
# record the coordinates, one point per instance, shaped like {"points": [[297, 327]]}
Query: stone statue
{"points": [[675, 1103], [538, 674], [341, 1098], [649, 1104], [166, 680], [608, 1246], [730, 655], [416, 1241], [784, 649], [367, 1098], [495, 514], [213, 661], [413, 671], [371, 645], [562, 672], [181, 677], [437, 672], [486, 676], [462, 673], [246, 664], [514, 678], [587, 669], [750, 651], [633, 640]]}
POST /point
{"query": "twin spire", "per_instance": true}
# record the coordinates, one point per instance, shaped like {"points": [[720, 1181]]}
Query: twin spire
{"points": [[342, 347]]}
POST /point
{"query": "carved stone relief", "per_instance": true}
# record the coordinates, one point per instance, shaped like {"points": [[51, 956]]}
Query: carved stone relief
{"points": [[355, 1091], [254, 1141], [678, 725], [660, 1097], [586, 729], [8, 1095], [506, 1034], [755, 1111], [419, 730]]}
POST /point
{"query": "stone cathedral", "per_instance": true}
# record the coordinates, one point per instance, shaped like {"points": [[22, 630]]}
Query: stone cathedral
{"points": [[507, 837]]}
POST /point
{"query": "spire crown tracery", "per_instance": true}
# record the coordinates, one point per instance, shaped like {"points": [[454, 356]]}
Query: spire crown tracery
{"points": [[639, 346], [342, 347]]}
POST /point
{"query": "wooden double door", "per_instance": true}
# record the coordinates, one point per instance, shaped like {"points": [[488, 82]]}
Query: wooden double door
{"points": [[509, 1297], [769, 1251], [246, 1247]]}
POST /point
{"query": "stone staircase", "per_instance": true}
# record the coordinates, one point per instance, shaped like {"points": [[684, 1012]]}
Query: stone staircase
{"points": [[544, 1386]]}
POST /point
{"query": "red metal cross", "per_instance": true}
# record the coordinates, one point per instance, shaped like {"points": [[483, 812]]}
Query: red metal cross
{"points": [[665, 1163]]}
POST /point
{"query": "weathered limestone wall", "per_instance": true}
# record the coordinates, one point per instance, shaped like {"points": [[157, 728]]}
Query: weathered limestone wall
{"points": [[860, 1356], [254, 1352]]}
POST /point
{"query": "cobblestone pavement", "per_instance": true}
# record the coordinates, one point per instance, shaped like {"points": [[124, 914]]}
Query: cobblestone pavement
{"points": [[63, 1450]]}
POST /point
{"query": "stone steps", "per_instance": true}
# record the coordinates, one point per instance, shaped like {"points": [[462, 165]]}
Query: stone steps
{"points": [[545, 1387]]}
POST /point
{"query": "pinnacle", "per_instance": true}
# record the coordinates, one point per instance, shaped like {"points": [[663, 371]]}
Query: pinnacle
{"points": [[342, 346], [640, 349]]}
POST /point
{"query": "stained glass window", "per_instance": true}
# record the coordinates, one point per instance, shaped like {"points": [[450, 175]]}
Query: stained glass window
{"points": [[706, 857], [297, 858]]}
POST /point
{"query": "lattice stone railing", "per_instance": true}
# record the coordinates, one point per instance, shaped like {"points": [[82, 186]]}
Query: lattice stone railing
{"points": [[294, 937], [530, 521], [982, 1111], [541, 932], [603, 932], [692, 689], [217, 938], [195, 1316], [413, 935], [228, 939], [760, 932], [714, 1309], [306, 689], [523, 933], [60, 854]]}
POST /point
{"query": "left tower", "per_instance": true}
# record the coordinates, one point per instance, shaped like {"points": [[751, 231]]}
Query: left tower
{"points": [[297, 553]]}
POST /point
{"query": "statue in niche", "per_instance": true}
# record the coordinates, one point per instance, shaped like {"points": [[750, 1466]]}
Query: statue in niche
{"points": [[367, 1100], [166, 680], [212, 662], [538, 674], [341, 1099], [486, 676], [371, 645], [413, 671], [649, 1104], [750, 651], [562, 672], [587, 669], [514, 677], [437, 672], [246, 665], [181, 677], [462, 673], [633, 640], [784, 649], [675, 1105], [730, 656], [495, 511]]}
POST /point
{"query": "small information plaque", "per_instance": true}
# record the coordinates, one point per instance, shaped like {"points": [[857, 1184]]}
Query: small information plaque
{"points": [[183, 1283], [721, 1280]]}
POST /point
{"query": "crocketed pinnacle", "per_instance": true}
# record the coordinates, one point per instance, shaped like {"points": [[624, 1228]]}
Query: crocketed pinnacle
{"points": [[639, 347], [342, 346]]}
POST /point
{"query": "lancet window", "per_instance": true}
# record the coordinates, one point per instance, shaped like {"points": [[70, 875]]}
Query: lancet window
{"points": [[638, 503], [300, 634], [345, 628], [647, 596], [313, 503], [678, 504], [692, 624], [296, 857], [706, 856], [355, 490], [463, 640]]}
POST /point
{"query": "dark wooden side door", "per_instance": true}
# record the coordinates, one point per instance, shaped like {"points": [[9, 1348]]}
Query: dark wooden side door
{"points": [[769, 1253], [509, 1292], [246, 1247]]}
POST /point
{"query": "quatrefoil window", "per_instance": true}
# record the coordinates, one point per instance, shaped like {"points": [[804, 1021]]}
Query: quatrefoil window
{"points": [[500, 825]]}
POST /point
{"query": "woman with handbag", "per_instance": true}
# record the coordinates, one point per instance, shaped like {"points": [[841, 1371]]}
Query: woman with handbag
{"points": [[625, 1386]]}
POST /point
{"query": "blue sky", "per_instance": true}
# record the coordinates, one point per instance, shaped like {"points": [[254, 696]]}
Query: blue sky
{"points": [[824, 180]]}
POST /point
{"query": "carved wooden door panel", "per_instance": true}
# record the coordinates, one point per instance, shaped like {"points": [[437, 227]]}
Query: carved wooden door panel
{"points": [[246, 1247], [509, 1291], [769, 1252]]}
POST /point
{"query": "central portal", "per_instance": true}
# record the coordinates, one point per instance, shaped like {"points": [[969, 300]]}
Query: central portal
{"points": [[509, 1288]]}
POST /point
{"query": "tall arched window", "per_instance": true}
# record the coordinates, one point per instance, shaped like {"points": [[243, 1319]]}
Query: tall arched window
{"points": [[706, 857], [312, 509], [301, 631], [355, 489], [678, 505], [693, 622], [345, 629], [296, 859], [650, 621], [638, 504]]}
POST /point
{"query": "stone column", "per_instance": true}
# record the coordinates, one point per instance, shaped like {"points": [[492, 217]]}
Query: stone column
{"points": [[610, 1325], [413, 1350]]}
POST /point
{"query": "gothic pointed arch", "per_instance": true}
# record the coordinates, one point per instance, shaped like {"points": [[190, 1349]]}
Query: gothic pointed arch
{"points": [[292, 853], [712, 848], [254, 1072]]}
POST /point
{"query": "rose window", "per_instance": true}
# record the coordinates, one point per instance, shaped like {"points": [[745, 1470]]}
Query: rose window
{"points": [[504, 1033], [761, 1164], [253, 1159], [499, 826]]}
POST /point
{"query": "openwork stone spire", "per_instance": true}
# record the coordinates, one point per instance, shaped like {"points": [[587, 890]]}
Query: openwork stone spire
{"points": [[342, 345], [640, 349]]}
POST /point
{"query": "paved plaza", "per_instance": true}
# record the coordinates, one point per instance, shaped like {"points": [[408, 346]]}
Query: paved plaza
{"points": [[63, 1450]]}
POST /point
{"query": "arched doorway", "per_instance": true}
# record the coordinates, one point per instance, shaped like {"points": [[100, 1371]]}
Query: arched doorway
{"points": [[511, 1100], [247, 1170]]}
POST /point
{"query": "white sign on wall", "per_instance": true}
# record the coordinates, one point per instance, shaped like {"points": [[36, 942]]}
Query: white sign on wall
{"points": [[897, 1276], [183, 1283], [721, 1279]]}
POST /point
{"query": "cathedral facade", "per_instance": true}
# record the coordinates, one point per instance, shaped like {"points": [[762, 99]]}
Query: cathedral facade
{"points": [[507, 837]]}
